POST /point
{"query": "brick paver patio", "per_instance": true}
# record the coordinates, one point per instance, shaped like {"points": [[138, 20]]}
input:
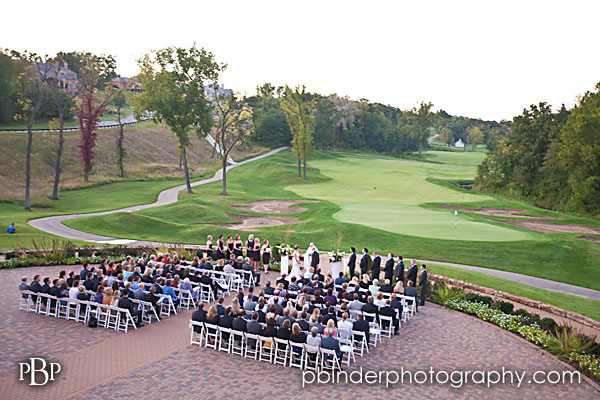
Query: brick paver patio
{"points": [[157, 361]]}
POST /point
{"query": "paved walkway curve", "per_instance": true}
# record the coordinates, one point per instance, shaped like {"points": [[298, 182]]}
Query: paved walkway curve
{"points": [[54, 225]]}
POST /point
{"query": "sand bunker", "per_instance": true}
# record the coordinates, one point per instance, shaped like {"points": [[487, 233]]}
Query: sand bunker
{"points": [[274, 206], [499, 212], [251, 223], [549, 227]]}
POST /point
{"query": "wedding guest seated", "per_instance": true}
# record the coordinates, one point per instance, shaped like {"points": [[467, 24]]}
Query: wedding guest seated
{"points": [[297, 336], [365, 282], [212, 317], [388, 311], [23, 285], [99, 297], [330, 329], [268, 289], [239, 323], [253, 326], [330, 297], [355, 304], [340, 280], [249, 304], [229, 269], [280, 289], [125, 302], [313, 339], [284, 332], [374, 287], [387, 287], [220, 307], [317, 321], [226, 321], [380, 302], [411, 291], [199, 316], [139, 293], [309, 275], [293, 286], [330, 316], [361, 325], [283, 281], [399, 288], [371, 308], [330, 342], [271, 329], [345, 327], [169, 291]]}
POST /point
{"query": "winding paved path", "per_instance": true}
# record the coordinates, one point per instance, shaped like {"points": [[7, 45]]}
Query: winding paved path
{"points": [[54, 225]]}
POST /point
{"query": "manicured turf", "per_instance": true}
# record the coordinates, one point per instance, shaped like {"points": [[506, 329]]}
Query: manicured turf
{"points": [[591, 308], [387, 194]]}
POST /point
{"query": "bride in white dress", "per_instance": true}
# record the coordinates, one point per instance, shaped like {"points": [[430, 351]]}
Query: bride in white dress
{"points": [[296, 263]]}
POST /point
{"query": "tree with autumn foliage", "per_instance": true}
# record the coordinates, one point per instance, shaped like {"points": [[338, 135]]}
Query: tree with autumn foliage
{"points": [[93, 105]]}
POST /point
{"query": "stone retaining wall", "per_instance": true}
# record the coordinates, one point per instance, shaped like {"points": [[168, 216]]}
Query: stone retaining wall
{"points": [[500, 295]]}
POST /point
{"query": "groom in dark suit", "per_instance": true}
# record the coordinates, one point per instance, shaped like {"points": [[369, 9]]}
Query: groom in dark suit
{"points": [[314, 258], [375, 267], [352, 262], [364, 262]]}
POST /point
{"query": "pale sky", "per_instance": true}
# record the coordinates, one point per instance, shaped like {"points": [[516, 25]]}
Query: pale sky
{"points": [[485, 59]]}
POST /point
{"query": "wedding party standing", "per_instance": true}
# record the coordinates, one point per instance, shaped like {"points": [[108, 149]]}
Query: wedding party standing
{"points": [[266, 255]]}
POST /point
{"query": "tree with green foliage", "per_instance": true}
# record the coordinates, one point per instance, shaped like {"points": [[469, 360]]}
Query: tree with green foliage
{"points": [[173, 80], [474, 137], [300, 115], [233, 124], [446, 136], [422, 119], [9, 73], [76, 61], [119, 100], [29, 91], [579, 153], [345, 112]]}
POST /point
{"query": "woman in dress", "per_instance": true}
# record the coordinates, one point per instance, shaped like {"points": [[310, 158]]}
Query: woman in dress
{"points": [[296, 263], [209, 246], [220, 248], [229, 244], [266, 255], [250, 249], [237, 246], [256, 254]]}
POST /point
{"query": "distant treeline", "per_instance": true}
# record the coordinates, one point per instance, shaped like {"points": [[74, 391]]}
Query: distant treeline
{"points": [[342, 123], [549, 158]]}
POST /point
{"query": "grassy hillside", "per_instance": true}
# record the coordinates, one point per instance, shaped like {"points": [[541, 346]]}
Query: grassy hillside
{"points": [[151, 154]]}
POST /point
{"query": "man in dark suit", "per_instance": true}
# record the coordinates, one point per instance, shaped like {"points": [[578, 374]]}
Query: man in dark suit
{"points": [[226, 321], [303, 322], [199, 316], [206, 280], [387, 287], [423, 283], [283, 281], [254, 327], [375, 267], [395, 304], [361, 325], [412, 272], [388, 311], [352, 262], [45, 289], [330, 315], [364, 262], [90, 282], [84, 272], [389, 267], [371, 308], [221, 308], [314, 257], [153, 299], [331, 343], [126, 303], [268, 289], [411, 291], [35, 286], [399, 270], [239, 323], [54, 291]]}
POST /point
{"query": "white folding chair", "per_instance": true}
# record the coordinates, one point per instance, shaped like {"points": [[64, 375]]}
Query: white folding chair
{"points": [[387, 327], [312, 358], [347, 349], [370, 317], [238, 343], [282, 348], [196, 337], [251, 351], [375, 333], [186, 300], [296, 355], [166, 307], [206, 294], [329, 360], [148, 312], [266, 349], [113, 317], [125, 320], [211, 336], [360, 342], [81, 311], [25, 301], [225, 339]]}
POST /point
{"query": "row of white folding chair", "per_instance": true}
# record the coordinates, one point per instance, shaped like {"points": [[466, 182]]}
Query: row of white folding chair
{"points": [[271, 349], [78, 310], [148, 311]]}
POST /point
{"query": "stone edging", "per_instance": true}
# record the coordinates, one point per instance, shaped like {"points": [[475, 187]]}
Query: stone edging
{"points": [[498, 294]]}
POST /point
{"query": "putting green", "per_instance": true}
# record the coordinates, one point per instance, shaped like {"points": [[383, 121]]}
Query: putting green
{"points": [[387, 194]]}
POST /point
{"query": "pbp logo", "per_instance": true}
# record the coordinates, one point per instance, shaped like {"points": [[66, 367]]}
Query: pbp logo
{"points": [[38, 368]]}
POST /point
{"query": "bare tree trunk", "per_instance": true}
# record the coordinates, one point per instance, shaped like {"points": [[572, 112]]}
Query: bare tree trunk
{"points": [[28, 169], [120, 152], [335, 136], [299, 168], [57, 170], [304, 168], [180, 161], [224, 192], [420, 146], [185, 169]]}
